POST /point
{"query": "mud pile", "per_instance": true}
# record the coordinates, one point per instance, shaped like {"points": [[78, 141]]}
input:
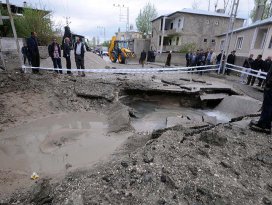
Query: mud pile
{"points": [[222, 165]]}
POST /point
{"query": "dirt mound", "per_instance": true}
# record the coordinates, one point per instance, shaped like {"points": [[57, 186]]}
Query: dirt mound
{"points": [[179, 169]]}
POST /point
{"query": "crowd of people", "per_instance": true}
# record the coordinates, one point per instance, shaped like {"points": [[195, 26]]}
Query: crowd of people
{"points": [[201, 58], [30, 52]]}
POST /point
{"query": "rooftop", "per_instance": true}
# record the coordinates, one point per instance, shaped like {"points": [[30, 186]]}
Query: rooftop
{"points": [[198, 12], [253, 25]]}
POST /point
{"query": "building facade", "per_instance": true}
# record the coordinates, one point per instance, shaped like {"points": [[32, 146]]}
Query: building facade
{"points": [[129, 35], [253, 39], [189, 28]]}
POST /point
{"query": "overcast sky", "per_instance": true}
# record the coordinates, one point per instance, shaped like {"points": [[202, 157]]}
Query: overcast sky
{"points": [[87, 15]]}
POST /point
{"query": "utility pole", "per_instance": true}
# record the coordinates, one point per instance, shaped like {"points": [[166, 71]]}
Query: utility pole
{"points": [[122, 17], [233, 15], [104, 31], [67, 20], [14, 33]]}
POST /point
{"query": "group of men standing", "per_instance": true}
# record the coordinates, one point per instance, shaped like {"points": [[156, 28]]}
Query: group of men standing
{"points": [[54, 51], [200, 58], [31, 52]]}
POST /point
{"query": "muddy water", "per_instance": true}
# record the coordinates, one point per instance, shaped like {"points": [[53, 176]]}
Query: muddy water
{"points": [[48, 145], [152, 115]]}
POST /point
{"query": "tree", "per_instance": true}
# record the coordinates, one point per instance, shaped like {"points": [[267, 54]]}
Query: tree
{"points": [[266, 12], [195, 4], [35, 20], [143, 21], [106, 43]]}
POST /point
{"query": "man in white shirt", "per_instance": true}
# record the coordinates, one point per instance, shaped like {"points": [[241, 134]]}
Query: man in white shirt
{"points": [[79, 56]]}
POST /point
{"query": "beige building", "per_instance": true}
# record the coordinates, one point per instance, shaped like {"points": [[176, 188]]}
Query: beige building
{"points": [[253, 39], [188, 26], [129, 35]]}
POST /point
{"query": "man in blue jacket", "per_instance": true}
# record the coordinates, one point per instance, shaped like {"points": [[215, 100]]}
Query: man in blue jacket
{"points": [[32, 45]]}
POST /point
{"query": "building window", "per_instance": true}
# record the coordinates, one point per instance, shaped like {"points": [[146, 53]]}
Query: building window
{"points": [[222, 44], [177, 41], [179, 23], [213, 41], [170, 42], [270, 43], [205, 40], [216, 23], [159, 40], [207, 21], [171, 26], [239, 42]]}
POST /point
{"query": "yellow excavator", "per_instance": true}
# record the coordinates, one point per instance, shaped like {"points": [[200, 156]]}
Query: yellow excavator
{"points": [[118, 50]]}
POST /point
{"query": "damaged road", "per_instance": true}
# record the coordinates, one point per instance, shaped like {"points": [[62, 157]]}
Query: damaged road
{"points": [[192, 157]]}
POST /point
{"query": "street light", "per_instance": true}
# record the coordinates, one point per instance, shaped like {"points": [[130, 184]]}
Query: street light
{"points": [[120, 16]]}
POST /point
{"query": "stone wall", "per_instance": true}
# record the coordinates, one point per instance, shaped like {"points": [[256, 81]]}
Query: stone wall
{"points": [[140, 45], [177, 58], [11, 56], [9, 44]]}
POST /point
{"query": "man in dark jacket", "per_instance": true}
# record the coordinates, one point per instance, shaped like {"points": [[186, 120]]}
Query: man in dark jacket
{"points": [[247, 66], [200, 60], [230, 60], [168, 60], [142, 58], [257, 64], [66, 53], [266, 67], [188, 58], [55, 54], [264, 123], [32, 45], [79, 56]]}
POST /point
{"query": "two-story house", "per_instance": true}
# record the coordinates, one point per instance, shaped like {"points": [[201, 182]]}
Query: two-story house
{"points": [[189, 26], [253, 39]]}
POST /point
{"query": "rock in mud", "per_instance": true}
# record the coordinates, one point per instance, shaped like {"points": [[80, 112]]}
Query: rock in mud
{"points": [[118, 118], [212, 137], [42, 193], [265, 158], [94, 89]]}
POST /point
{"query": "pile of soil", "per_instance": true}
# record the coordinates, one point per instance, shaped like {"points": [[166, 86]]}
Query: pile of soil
{"points": [[220, 166]]}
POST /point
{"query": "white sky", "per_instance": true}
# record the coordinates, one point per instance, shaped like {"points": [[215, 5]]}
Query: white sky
{"points": [[87, 15]]}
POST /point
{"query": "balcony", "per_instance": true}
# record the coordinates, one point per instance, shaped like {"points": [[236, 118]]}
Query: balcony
{"points": [[171, 32]]}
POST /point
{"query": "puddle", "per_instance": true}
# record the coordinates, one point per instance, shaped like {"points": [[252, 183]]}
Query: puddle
{"points": [[220, 116], [151, 115], [47, 145]]}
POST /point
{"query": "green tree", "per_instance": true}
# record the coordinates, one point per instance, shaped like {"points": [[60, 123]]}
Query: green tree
{"points": [[266, 9], [143, 21], [35, 20], [106, 43]]}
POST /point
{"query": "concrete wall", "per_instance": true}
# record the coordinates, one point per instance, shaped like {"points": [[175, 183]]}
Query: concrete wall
{"points": [[177, 58], [140, 45], [10, 54], [9, 44], [195, 29]]}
